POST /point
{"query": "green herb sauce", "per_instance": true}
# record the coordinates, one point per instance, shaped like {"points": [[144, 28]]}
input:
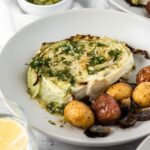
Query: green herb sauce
{"points": [[95, 60], [43, 67], [101, 44], [71, 48], [51, 122], [44, 2], [55, 108], [114, 54]]}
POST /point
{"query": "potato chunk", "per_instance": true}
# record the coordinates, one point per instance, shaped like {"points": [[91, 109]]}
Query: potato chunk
{"points": [[79, 114], [120, 91], [106, 109], [141, 94], [143, 75]]}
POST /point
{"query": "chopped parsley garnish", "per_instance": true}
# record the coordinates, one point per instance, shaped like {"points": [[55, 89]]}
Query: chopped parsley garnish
{"points": [[73, 43], [55, 108], [90, 71], [91, 43], [79, 50], [36, 63], [92, 53], [50, 73], [40, 64], [51, 122], [48, 66], [101, 44], [98, 44], [95, 60], [65, 75], [70, 48], [43, 67], [66, 62], [65, 49], [114, 53]]}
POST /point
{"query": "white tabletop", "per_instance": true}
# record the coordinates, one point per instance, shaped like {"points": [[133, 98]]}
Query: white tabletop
{"points": [[11, 20]]}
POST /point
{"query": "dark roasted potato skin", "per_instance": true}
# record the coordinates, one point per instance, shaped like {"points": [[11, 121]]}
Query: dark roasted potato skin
{"points": [[106, 109], [143, 75], [148, 7]]}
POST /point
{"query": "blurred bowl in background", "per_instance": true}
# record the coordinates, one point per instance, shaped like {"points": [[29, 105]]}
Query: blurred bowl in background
{"points": [[16, 123], [44, 10]]}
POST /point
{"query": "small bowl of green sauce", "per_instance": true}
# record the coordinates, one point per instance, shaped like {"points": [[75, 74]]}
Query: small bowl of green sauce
{"points": [[44, 2], [44, 7]]}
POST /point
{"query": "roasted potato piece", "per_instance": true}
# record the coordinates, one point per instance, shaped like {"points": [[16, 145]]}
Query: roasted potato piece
{"points": [[106, 109], [148, 7], [79, 114], [143, 75], [141, 94], [120, 91]]}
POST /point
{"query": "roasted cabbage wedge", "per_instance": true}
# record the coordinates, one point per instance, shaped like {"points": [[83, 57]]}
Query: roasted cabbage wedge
{"points": [[79, 66]]}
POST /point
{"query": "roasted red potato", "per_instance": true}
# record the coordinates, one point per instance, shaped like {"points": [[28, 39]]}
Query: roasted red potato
{"points": [[143, 75], [106, 109]]}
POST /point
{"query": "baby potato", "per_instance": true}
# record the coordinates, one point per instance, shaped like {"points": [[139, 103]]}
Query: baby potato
{"points": [[141, 94], [106, 109], [143, 75], [120, 91], [79, 114]]}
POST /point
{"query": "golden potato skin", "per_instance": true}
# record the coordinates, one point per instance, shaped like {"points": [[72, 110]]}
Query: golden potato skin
{"points": [[79, 114], [120, 91], [141, 94]]}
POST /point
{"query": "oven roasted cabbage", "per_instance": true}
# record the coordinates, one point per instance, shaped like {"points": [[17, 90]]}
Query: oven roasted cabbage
{"points": [[79, 66]]}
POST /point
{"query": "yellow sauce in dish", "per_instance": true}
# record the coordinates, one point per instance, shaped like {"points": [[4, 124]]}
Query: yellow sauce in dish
{"points": [[13, 135]]}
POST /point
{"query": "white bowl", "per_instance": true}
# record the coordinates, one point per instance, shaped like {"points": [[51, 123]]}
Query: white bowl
{"points": [[44, 10]]}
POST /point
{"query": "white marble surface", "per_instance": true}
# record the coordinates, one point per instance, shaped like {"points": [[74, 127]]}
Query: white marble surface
{"points": [[11, 20]]}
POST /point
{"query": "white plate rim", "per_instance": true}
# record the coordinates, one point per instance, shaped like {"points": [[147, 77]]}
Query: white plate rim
{"points": [[145, 141]]}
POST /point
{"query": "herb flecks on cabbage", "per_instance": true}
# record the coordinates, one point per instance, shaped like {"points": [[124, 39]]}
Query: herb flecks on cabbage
{"points": [[69, 68]]}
